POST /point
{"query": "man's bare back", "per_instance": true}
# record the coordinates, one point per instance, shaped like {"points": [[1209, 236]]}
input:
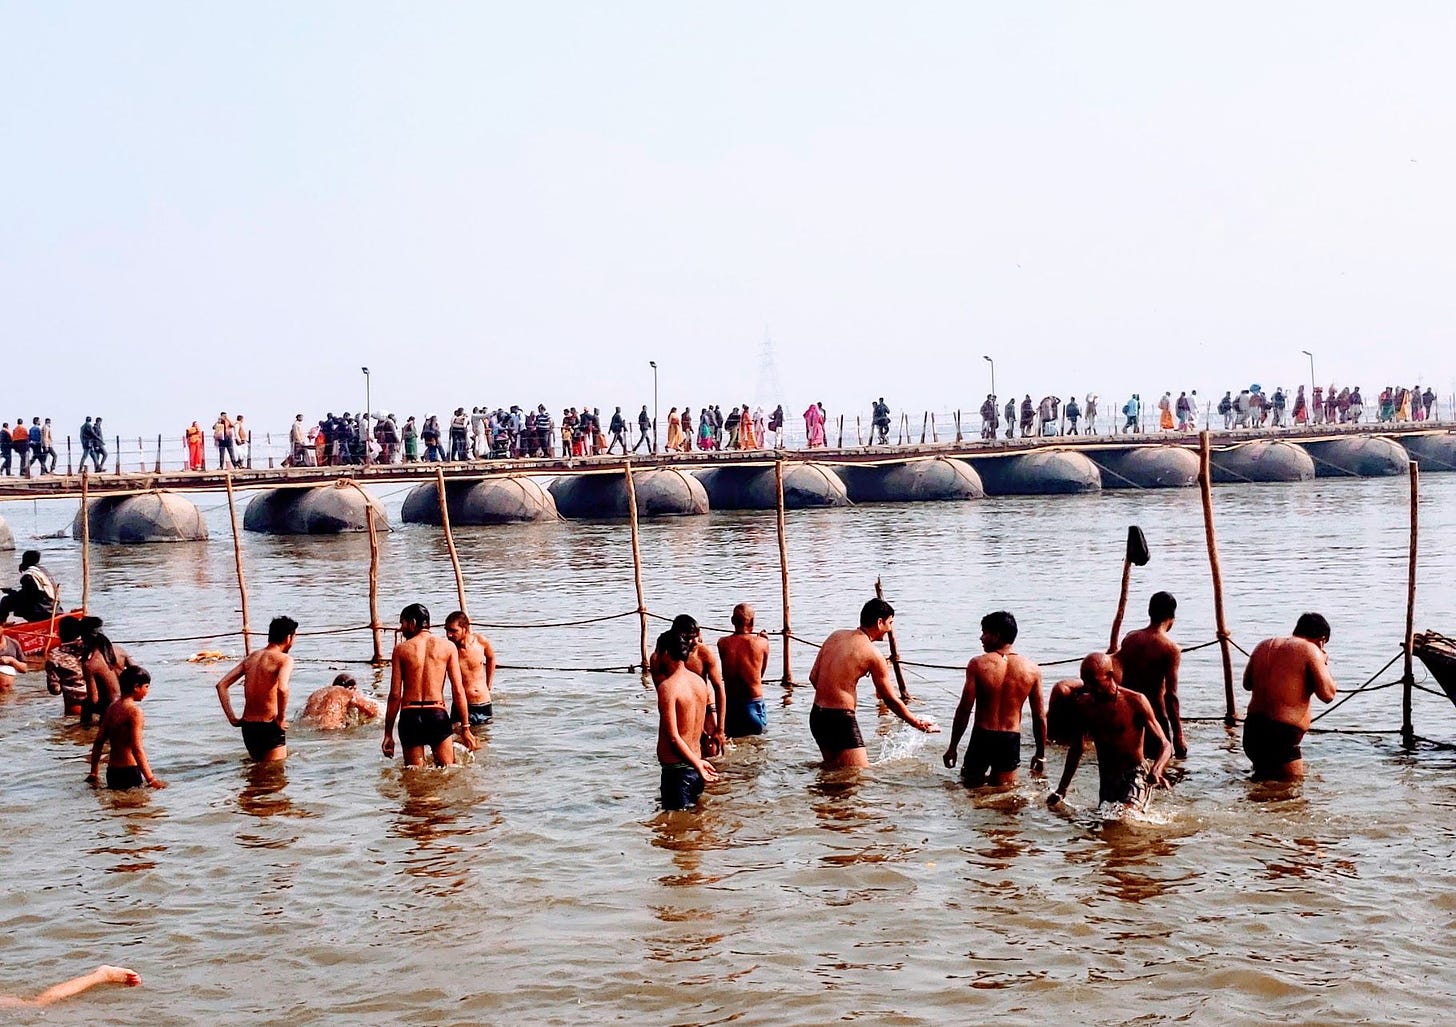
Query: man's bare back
{"points": [[1283, 674], [425, 662], [1150, 662], [265, 676], [998, 684], [744, 659], [331, 708]]}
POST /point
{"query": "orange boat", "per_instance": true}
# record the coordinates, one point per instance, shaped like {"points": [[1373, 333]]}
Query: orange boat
{"points": [[35, 637]]}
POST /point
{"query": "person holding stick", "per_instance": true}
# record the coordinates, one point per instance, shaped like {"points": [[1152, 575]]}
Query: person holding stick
{"points": [[1150, 661], [1284, 674], [846, 657], [998, 684]]}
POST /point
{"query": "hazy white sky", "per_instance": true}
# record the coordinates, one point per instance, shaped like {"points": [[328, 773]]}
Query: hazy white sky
{"points": [[207, 206]]}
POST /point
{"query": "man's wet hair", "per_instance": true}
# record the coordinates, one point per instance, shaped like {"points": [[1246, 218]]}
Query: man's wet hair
{"points": [[416, 613], [132, 676], [459, 618], [1312, 626], [280, 628], [875, 611], [1002, 625], [675, 644], [685, 625], [69, 629], [1162, 606], [344, 681], [29, 558]]}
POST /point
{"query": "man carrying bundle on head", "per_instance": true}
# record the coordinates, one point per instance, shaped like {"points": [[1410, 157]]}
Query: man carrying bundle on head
{"points": [[998, 684], [1284, 674], [846, 657], [419, 668]]}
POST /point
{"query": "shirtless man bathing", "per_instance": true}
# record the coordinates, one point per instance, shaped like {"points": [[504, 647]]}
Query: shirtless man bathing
{"points": [[744, 655], [477, 669], [1118, 719], [846, 657], [121, 728], [419, 668], [1150, 661], [1284, 674], [998, 684], [335, 706], [703, 662], [264, 675], [684, 703]]}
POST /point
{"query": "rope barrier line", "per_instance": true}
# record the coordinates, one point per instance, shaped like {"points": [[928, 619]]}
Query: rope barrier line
{"points": [[559, 624]]}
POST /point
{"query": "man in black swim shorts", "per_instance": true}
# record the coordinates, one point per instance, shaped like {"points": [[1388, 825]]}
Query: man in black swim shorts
{"points": [[264, 675], [999, 683], [1284, 674], [845, 658], [419, 667]]}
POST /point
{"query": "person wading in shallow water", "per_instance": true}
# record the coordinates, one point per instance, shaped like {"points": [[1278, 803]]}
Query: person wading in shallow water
{"points": [[419, 667], [264, 675], [336, 705], [477, 669], [1150, 661], [121, 728], [999, 683], [684, 704], [1284, 674], [845, 658], [1118, 719], [744, 658]]}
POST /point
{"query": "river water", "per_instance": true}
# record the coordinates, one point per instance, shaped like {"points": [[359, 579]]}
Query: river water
{"points": [[540, 882]]}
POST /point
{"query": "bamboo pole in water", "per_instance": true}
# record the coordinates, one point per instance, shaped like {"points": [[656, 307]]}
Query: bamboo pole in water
{"points": [[894, 651], [238, 561], [783, 563], [1407, 728], [85, 539], [449, 539], [636, 559], [1205, 486], [1121, 603], [375, 628]]}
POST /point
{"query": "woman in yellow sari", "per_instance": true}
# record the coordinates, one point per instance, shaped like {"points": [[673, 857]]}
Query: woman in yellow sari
{"points": [[674, 431]]}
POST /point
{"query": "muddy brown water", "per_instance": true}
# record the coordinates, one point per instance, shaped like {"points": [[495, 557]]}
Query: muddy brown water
{"points": [[540, 883]]}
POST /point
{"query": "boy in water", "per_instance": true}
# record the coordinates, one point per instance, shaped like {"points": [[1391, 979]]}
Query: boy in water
{"points": [[334, 706], [684, 702], [121, 728]]}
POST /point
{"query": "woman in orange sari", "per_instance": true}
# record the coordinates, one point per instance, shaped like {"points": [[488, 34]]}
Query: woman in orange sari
{"points": [[746, 438], [196, 457]]}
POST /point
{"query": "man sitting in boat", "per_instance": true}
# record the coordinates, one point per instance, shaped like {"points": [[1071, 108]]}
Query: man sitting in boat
{"points": [[35, 597]]}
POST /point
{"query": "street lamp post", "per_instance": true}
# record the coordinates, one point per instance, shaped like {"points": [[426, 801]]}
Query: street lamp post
{"points": [[654, 405], [364, 420], [993, 375], [1313, 413]]}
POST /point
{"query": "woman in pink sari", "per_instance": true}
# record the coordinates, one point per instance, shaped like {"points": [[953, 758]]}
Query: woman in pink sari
{"points": [[814, 426]]}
